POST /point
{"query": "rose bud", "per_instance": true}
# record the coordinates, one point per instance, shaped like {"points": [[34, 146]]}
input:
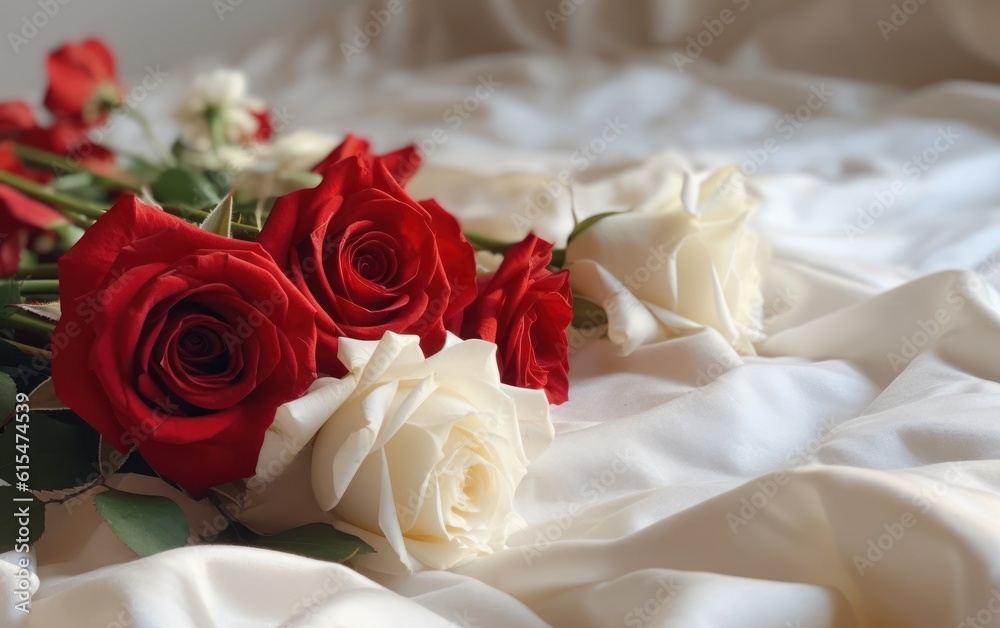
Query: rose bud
{"points": [[83, 82]]}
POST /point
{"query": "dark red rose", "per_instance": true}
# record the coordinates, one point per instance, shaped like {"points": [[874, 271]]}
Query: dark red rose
{"points": [[67, 139], [16, 121], [401, 163], [83, 82], [16, 117], [370, 258], [10, 162], [179, 341], [525, 309], [20, 219]]}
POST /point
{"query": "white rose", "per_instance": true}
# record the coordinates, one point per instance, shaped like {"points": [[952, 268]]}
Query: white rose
{"points": [[418, 457], [276, 167], [223, 92], [487, 262], [232, 158], [682, 260]]}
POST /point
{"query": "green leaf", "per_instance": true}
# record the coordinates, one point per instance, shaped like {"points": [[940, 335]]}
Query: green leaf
{"points": [[177, 186], [587, 314], [314, 540], [8, 399], [148, 524], [63, 454], [143, 169], [220, 219], [14, 502], [10, 294], [221, 179], [587, 224], [247, 213]]}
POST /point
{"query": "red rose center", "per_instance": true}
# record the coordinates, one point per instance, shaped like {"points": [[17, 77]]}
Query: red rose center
{"points": [[202, 349], [374, 259], [196, 356]]}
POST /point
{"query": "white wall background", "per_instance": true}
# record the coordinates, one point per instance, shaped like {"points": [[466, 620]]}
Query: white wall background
{"points": [[942, 39]]}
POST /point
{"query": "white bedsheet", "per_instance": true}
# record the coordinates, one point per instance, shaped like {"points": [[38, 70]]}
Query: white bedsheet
{"points": [[849, 475]]}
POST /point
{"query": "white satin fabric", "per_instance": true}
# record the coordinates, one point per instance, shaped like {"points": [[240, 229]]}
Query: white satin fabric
{"points": [[847, 475]]}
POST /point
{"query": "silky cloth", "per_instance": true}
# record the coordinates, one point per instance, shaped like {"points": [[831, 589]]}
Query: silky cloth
{"points": [[846, 475]]}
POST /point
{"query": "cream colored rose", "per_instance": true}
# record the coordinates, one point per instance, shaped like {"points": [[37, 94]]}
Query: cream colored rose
{"points": [[418, 457], [487, 262], [682, 260], [284, 165], [225, 93]]}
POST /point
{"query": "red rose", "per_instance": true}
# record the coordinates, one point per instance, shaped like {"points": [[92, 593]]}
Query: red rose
{"points": [[525, 309], [16, 121], [21, 218], [179, 341], [9, 162], [264, 130], [83, 82], [16, 117], [401, 163], [65, 138], [370, 258]]}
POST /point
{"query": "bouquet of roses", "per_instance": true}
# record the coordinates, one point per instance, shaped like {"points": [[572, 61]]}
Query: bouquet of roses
{"points": [[243, 302]]}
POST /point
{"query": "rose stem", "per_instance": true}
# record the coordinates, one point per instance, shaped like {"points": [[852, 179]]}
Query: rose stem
{"points": [[147, 130], [28, 349], [39, 271], [27, 323], [94, 211], [485, 243], [65, 164], [39, 286], [42, 193]]}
